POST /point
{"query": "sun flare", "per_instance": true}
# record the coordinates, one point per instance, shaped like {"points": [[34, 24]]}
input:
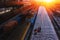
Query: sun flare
{"points": [[44, 0], [48, 0]]}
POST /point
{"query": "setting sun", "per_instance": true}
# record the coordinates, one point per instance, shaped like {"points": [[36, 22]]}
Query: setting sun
{"points": [[44, 0], [48, 0]]}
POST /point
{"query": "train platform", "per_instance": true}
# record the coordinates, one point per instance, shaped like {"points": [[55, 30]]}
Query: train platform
{"points": [[44, 24]]}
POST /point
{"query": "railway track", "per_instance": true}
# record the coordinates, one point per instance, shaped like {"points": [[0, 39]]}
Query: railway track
{"points": [[43, 28], [56, 23], [55, 19]]}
